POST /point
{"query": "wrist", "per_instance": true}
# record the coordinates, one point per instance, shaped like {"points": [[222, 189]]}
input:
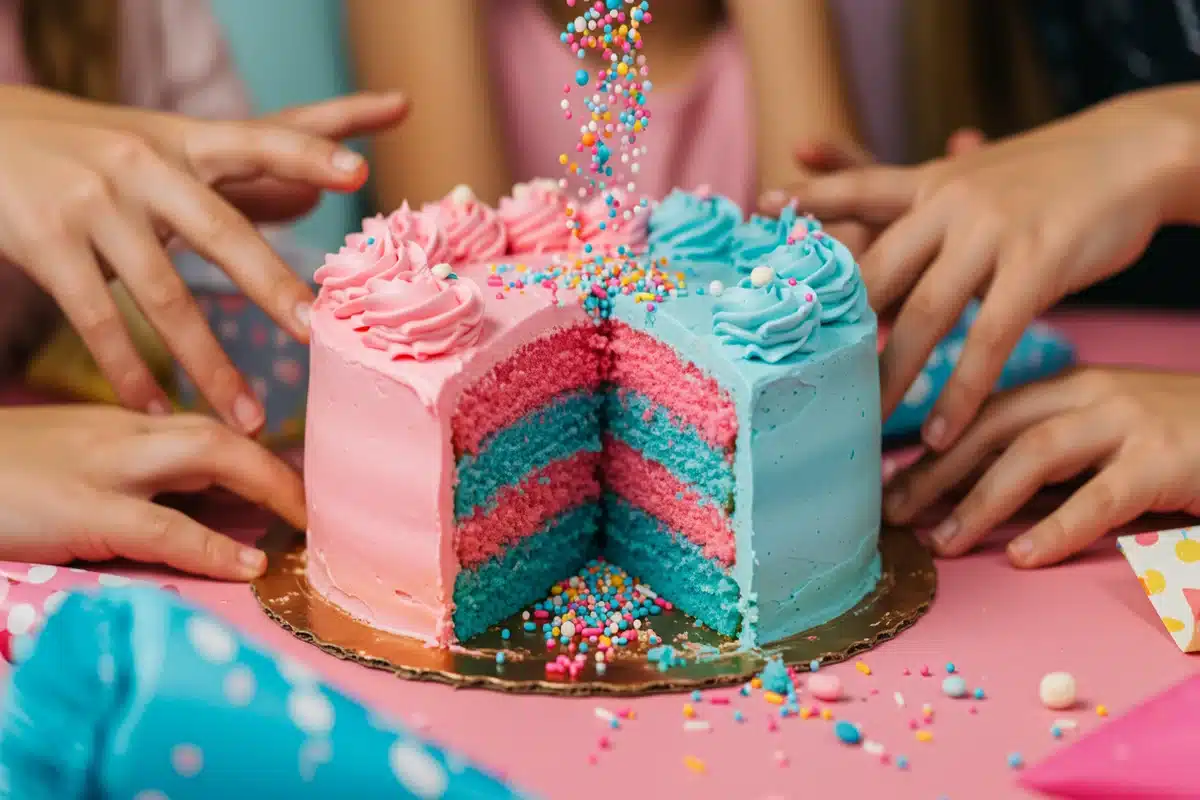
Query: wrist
{"points": [[1171, 144]]}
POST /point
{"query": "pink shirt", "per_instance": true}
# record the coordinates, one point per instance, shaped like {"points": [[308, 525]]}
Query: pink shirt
{"points": [[173, 58], [701, 133]]}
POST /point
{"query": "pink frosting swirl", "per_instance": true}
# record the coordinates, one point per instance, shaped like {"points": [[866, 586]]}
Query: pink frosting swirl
{"points": [[406, 225], [536, 218], [474, 231], [617, 230], [345, 274], [420, 316]]}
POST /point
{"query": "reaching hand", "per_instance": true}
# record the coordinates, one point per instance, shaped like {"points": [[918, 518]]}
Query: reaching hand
{"points": [[79, 204], [1138, 430], [1021, 223], [77, 482]]}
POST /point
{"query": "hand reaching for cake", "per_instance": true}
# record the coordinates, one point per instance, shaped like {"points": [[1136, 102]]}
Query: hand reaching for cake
{"points": [[1137, 430], [78, 482], [1021, 223], [83, 201]]}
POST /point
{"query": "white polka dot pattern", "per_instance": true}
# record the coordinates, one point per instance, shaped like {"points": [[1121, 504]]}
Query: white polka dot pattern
{"points": [[239, 686], [40, 573], [187, 760], [21, 618], [417, 771], [212, 642], [310, 711]]}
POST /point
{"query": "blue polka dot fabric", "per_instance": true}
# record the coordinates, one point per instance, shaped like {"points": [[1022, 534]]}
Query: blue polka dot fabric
{"points": [[1039, 354], [130, 694]]}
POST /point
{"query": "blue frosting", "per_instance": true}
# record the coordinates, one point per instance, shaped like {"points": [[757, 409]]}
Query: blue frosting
{"points": [[672, 565], [826, 265], [757, 237], [692, 227], [648, 427], [561, 429], [524, 573], [768, 323], [775, 677], [133, 693]]}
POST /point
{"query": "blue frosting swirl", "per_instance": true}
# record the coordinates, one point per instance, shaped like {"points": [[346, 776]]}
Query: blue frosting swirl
{"points": [[757, 237], [826, 265], [692, 227], [769, 323]]}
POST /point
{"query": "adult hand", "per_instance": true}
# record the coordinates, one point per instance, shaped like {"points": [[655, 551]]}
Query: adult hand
{"points": [[1021, 223], [79, 204], [77, 482], [1137, 429]]}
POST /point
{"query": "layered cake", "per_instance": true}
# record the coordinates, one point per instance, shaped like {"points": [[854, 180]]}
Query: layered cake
{"points": [[497, 397]]}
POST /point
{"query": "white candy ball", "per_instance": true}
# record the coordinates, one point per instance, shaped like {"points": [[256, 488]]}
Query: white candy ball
{"points": [[762, 276], [716, 288], [461, 194], [440, 271], [1057, 690], [567, 629]]}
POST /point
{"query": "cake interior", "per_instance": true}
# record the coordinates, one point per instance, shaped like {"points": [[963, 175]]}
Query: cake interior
{"points": [[594, 440]]}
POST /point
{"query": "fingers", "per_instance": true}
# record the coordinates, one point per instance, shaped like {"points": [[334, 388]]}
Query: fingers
{"points": [[227, 151], [1051, 452], [965, 141], [70, 274], [344, 117], [195, 450], [1011, 303], [932, 309], [874, 195], [1004, 418], [822, 155], [1119, 494], [144, 531], [899, 256], [128, 243], [855, 236], [270, 200], [222, 235]]}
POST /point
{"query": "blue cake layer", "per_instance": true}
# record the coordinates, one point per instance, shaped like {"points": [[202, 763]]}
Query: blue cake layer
{"points": [[504, 585], [672, 565], [648, 427], [551, 433]]}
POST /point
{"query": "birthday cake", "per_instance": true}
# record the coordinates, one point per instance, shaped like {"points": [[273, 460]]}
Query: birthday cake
{"points": [[496, 398]]}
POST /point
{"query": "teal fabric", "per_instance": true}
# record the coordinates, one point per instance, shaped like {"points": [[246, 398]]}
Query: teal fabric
{"points": [[291, 52]]}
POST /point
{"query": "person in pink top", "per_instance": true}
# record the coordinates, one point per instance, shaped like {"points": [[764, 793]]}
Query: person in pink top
{"points": [[736, 83]]}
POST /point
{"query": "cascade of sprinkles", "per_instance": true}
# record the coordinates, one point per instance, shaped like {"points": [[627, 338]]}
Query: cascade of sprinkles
{"points": [[592, 614], [613, 100]]}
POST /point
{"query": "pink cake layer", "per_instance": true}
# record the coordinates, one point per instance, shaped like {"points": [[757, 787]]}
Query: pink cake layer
{"points": [[641, 362], [521, 510], [651, 487], [539, 371]]}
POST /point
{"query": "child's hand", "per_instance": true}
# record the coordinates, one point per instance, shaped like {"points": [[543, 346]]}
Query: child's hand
{"points": [[77, 482], [1020, 223], [1139, 431]]}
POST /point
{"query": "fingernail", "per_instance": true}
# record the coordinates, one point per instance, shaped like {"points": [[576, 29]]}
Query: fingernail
{"points": [[890, 468], [347, 161], [158, 407], [945, 531], [935, 431], [253, 560], [248, 413], [893, 502], [772, 198], [1021, 549], [304, 314]]}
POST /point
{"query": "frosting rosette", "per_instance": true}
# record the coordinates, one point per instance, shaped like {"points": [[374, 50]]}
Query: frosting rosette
{"points": [[693, 226], [474, 231], [768, 323], [406, 225], [420, 316], [604, 226], [536, 218], [826, 265], [757, 237], [345, 274]]}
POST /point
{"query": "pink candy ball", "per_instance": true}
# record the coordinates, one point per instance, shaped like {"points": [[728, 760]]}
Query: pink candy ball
{"points": [[825, 687]]}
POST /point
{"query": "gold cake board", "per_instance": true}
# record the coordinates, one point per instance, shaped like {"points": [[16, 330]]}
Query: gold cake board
{"points": [[904, 593]]}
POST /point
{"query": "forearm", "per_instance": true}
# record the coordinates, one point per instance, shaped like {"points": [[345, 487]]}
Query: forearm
{"points": [[435, 52], [1166, 135], [796, 79]]}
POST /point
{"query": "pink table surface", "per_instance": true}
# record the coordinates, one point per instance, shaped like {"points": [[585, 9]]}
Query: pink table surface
{"points": [[1003, 629]]}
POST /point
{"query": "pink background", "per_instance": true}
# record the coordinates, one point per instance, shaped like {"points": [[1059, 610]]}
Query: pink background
{"points": [[1003, 629]]}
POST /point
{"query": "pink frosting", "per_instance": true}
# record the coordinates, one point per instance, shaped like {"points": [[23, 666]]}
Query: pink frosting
{"points": [[616, 232], [345, 274], [406, 225], [474, 231], [418, 316], [536, 218]]}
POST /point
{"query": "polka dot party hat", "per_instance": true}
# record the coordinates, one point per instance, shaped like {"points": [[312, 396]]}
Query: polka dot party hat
{"points": [[131, 694]]}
